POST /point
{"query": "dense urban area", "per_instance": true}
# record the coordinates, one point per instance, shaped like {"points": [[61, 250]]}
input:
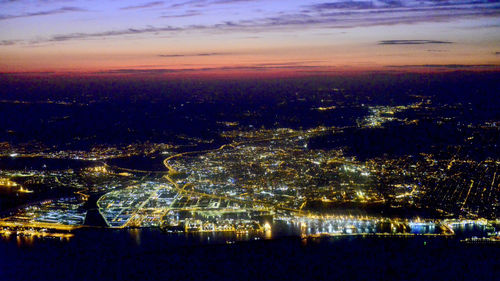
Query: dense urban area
{"points": [[396, 170]]}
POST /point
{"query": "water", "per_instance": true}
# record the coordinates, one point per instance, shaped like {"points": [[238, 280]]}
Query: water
{"points": [[41, 164], [95, 254]]}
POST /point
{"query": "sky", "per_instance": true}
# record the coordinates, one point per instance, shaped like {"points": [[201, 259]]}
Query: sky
{"points": [[247, 36]]}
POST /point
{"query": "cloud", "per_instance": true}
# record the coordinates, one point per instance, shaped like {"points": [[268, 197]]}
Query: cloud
{"points": [[351, 14], [143, 6], [256, 67], [288, 64], [447, 66], [436, 51], [205, 3], [193, 55], [129, 31], [343, 5], [395, 4], [390, 12], [197, 3], [412, 42], [189, 13], [8, 42], [139, 71], [232, 1], [331, 14], [44, 13]]}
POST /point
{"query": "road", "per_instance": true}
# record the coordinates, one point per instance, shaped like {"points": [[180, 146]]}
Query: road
{"points": [[192, 192]]}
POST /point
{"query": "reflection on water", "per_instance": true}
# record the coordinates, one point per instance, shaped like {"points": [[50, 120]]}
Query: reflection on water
{"points": [[24, 241], [469, 228], [138, 237], [107, 254], [306, 226], [27, 241], [135, 233]]}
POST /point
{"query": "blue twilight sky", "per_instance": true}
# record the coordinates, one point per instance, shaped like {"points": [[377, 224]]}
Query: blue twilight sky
{"points": [[87, 35]]}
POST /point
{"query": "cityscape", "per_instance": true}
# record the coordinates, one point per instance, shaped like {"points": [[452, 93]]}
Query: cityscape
{"points": [[262, 177], [249, 140]]}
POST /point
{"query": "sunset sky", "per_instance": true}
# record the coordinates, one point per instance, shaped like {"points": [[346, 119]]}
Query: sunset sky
{"points": [[247, 35]]}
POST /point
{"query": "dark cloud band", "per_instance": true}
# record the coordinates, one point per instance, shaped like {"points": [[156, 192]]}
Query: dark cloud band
{"points": [[412, 42], [43, 13], [143, 6], [449, 66], [193, 55]]}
